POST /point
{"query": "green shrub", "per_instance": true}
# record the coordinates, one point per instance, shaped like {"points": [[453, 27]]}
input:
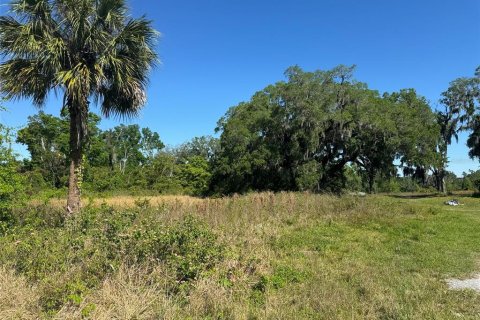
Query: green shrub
{"points": [[307, 176], [11, 182], [476, 180], [195, 175], [353, 178], [69, 258], [58, 292], [189, 247], [285, 275], [388, 185], [408, 185]]}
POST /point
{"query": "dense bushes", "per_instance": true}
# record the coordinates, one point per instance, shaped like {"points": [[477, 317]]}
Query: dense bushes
{"points": [[258, 256], [126, 158], [11, 182], [474, 179], [70, 258]]}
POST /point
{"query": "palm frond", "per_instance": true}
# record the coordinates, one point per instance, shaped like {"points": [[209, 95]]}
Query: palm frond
{"points": [[126, 63], [20, 78], [110, 14], [87, 48]]}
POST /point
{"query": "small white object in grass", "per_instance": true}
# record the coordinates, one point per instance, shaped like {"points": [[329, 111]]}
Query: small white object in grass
{"points": [[472, 284], [452, 202], [358, 194]]}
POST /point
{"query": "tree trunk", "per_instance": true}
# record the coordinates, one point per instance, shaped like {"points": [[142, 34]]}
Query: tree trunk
{"points": [[443, 182], [371, 180], [440, 181], [74, 181], [77, 134]]}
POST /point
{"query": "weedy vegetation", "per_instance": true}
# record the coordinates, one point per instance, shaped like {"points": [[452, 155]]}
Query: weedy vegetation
{"points": [[258, 256], [155, 232]]}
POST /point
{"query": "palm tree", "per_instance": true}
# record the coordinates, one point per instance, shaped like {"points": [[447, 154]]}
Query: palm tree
{"points": [[85, 50]]}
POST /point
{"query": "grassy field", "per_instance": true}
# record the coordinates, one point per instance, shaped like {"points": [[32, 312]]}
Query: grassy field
{"points": [[259, 256]]}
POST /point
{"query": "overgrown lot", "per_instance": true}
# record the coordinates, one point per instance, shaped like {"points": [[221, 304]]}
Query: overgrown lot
{"points": [[259, 256]]}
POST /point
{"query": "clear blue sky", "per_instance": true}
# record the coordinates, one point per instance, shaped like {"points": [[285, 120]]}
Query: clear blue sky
{"points": [[217, 53]]}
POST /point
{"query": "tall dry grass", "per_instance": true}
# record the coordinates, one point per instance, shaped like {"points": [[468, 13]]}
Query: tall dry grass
{"points": [[122, 201], [18, 298], [348, 257], [128, 294]]}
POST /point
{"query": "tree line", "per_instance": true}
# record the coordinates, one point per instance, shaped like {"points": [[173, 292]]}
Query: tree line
{"points": [[319, 131], [126, 157]]}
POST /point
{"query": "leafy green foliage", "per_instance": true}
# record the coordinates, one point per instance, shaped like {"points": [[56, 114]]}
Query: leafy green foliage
{"points": [[473, 141], [70, 258], [84, 49], [189, 248], [195, 175], [87, 48], [318, 131], [462, 112], [204, 146], [472, 180], [285, 275], [11, 182], [301, 134], [47, 140]]}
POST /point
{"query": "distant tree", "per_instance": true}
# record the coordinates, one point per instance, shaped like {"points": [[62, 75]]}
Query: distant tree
{"points": [[195, 175], [417, 133], [46, 139], [47, 142], [449, 126], [150, 143], [473, 179], [204, 146], [84, 49], [124, 144], [128, 145], [243, 159], [163, 174], [12, 184], [462, 111], [473, 141], [303, 133]]}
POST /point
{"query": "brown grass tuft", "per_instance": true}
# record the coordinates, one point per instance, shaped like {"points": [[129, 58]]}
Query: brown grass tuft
{"points": [[18, 300], [128, 294]]}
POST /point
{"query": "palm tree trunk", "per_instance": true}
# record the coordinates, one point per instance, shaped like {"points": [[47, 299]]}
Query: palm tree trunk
{"points": [[75, 172], [74, 181]]}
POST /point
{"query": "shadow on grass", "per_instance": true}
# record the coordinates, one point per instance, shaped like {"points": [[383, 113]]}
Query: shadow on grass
{"points": [[416, 195], [434, 195]]}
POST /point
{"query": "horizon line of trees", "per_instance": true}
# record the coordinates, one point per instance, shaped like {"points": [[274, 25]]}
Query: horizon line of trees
{"points": [[316, 129], [319, 131], [309, 132]]}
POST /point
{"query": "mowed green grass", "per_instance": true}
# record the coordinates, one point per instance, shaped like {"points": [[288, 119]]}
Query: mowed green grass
{"points": [[284, 256], [387, 266]]}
